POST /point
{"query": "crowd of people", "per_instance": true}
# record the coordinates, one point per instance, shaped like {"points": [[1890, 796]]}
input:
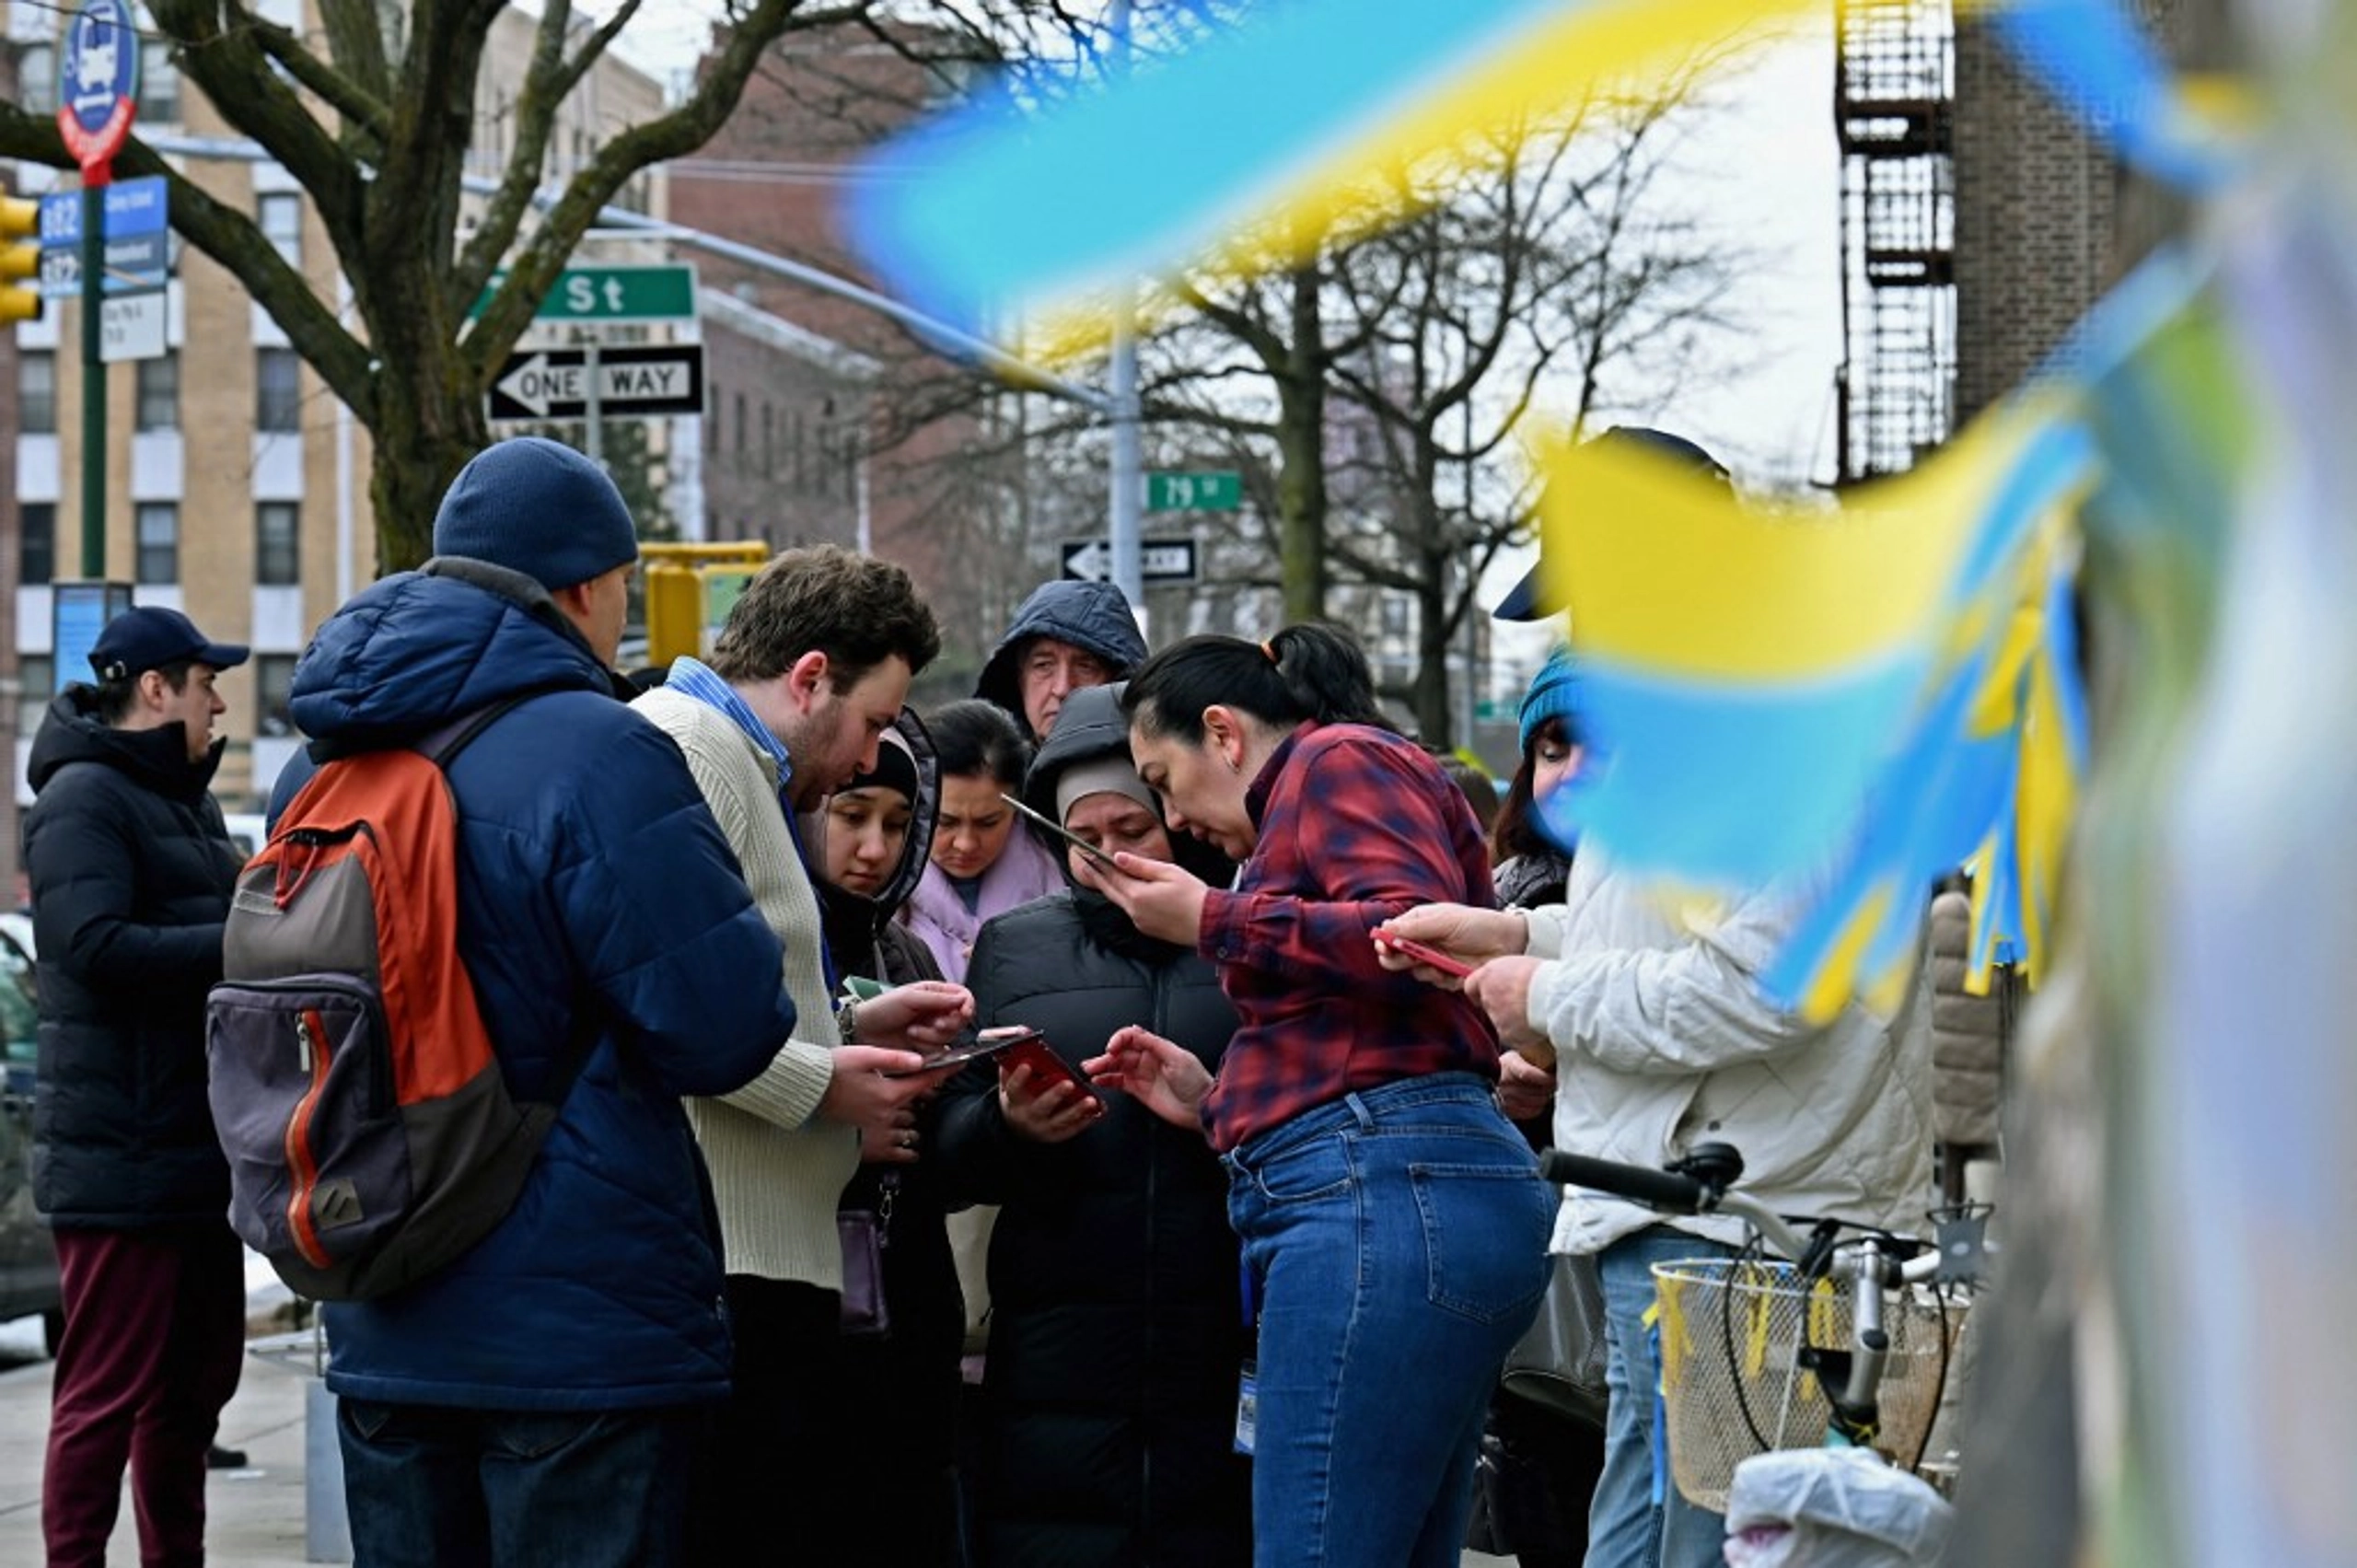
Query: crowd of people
{"points": [[1267, 1216]]}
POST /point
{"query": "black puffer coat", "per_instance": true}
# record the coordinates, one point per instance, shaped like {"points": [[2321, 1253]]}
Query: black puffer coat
{"points": [[1116, 1332], [131, 870]]}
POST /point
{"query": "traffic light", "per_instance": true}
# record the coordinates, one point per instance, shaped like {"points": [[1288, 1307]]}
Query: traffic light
{"points": [[19, 259]]}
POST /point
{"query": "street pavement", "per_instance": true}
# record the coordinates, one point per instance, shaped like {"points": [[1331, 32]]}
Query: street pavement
{"points": [[256, 1514]]}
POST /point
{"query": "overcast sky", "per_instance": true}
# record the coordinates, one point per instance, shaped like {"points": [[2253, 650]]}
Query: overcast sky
{"points": [[1766, 169]]}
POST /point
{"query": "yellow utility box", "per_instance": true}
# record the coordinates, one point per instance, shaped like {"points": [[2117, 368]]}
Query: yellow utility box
{"points": [[690, 588]]}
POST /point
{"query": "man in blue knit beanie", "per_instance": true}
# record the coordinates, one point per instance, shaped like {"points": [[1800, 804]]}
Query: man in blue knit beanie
{"points": [[538, 508], [540, 1398]]}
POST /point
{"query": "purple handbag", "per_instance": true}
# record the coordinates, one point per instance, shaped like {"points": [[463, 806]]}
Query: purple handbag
{"points": [[866, 1233]]}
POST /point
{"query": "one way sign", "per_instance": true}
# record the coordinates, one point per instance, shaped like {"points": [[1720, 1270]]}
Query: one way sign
{"points": [[554, 383], [1159, 560]]}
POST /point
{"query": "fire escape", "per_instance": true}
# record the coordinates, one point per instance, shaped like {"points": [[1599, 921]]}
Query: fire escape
{"points": [[1894, 93]]}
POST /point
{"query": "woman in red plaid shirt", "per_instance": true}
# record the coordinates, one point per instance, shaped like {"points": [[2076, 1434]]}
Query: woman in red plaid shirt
{"points": [[1393, 1223]]}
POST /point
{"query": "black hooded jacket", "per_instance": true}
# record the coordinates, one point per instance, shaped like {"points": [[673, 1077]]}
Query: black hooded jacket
{"points": [[912, 1373], [1116, 1336], [130, 869]]}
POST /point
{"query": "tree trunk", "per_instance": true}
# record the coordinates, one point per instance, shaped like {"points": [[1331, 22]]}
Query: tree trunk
{"points": [[423, 437], [1301, 453]]}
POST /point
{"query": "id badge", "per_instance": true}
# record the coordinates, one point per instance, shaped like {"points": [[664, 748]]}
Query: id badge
{"points": [[1248, 1407]]}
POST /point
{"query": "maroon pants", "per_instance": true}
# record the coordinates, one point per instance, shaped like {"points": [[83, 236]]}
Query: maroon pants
{"points": [[155, 1336]]}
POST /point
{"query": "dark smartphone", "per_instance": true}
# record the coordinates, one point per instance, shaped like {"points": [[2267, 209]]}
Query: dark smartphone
{"points": [[1047, 1068], [1432, 957], [1090, 850], [987, 1044]]}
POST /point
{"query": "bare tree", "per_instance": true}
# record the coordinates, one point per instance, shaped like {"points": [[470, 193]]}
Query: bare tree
{"points": [[373, 115], [1372, 396]]}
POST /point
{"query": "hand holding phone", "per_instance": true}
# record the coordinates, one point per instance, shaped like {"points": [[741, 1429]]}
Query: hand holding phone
{"points": [[1432, 957], [1090, 850], [1047, 1069], [987, 1044]]}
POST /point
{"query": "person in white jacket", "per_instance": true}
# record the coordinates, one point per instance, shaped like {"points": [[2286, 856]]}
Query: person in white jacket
{"points": [[1661, 1040]]}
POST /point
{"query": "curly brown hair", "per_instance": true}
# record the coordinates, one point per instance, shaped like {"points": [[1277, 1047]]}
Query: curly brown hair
{"points": [[856, 610]]}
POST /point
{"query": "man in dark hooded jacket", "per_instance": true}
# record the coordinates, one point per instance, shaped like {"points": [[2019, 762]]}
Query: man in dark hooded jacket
{"points": [[538, 1399], [1065, 636], [131, 870]]}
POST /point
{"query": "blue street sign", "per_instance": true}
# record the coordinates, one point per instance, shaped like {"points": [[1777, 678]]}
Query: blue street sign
{"points": [[134, 265], [98, 90], [133, 206]]}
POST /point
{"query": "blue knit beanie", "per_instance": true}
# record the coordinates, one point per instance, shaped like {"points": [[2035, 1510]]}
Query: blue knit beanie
{"points": [[538, 508], [1554, 694]]}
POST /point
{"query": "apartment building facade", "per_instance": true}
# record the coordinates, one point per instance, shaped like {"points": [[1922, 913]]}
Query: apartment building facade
{"points": [[237, 485]]}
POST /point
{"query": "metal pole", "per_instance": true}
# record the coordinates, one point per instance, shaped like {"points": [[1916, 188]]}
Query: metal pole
{"points": [[592, 412], [1128, 476], [94, 381]]}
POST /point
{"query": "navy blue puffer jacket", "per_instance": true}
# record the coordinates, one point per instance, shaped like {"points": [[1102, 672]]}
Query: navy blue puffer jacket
{"points": [[590, 873]]}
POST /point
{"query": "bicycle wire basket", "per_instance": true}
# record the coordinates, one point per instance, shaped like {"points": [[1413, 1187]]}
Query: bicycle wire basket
{"points": [[1732, 1330]]}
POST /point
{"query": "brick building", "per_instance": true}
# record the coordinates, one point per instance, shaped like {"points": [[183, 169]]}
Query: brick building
{"points": [[933, 502], [1984, 220]]}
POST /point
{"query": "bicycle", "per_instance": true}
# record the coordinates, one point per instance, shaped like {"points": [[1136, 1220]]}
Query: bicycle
{"points": [[1880, 1389]]}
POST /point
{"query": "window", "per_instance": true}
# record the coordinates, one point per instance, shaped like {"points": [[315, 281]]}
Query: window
{"points": [[37, 542], [274, 690], [158, 525], [278, 542], [278, 390], [159, 81], [769, 440], [159, 395], [37, 78], [280, 216], [37, 678], [738, 445], [37, 391]]}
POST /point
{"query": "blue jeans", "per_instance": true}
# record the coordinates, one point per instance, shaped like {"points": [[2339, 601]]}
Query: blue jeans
{"points": [[1637, 1519], [430, 1487], [1400, 1235]]}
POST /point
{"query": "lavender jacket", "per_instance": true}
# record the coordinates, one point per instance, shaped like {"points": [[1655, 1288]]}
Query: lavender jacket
{"points": [[1025, 870]]}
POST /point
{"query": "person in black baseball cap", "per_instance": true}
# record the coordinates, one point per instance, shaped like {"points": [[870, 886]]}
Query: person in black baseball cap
{"points": [[1531, 598], [152, 640], [131, 870]]}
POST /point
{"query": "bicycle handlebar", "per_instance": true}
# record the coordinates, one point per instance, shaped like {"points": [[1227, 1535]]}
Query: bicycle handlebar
{"points": [[1663, 1190]]}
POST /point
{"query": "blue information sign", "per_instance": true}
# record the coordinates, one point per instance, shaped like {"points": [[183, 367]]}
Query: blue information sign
{"points": [[97, 89], [133, 206], [78, 611], [138, 250]]}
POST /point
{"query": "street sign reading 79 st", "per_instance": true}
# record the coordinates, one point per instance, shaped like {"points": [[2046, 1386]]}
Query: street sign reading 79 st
{"points": [[611, 294], [1217, 490]]}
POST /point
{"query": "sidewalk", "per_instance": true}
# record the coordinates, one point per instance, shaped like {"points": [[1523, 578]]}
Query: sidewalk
{"points": [[256, 1515]]}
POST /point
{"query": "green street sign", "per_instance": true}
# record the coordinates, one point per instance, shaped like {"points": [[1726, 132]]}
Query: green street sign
{"points": [[611, 294], [1491, 710], [1213, 492]]}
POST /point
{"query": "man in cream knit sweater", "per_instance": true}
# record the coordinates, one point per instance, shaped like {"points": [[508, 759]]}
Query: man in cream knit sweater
{"points": [[812, 667]]}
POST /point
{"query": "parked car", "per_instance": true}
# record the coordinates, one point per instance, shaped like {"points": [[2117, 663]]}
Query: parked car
{"points": [[28, 1281]]}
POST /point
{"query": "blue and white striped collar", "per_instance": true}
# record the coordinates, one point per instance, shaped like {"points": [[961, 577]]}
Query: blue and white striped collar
{"points": [[691, 677]]}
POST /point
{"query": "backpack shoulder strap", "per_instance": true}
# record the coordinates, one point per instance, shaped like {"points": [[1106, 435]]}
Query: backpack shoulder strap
{"points": [[441, 746]]}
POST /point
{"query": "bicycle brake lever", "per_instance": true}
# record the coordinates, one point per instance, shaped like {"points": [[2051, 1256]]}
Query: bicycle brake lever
{"points": [[1816, 1259]]}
